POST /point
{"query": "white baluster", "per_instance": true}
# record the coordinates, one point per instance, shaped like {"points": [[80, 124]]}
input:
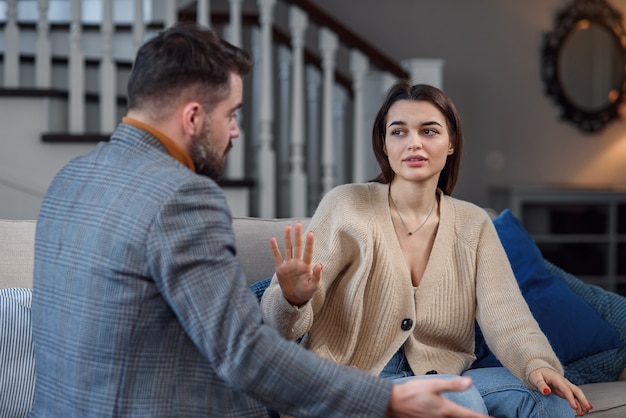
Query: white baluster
{"points": [[170, 13], [266, 157], [108, 90], [425, 71], [235, 22], [203, 13], [339, 116], [253, 141], [298, 22], [236, 157], [313, 147], [43, 68], [328, 44], [77, 72], [283, 153], [359, 66], [139, 27], [11, 47]]}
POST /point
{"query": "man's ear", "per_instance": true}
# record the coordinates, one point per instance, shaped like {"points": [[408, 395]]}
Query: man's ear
{"points": [[192, 118]]}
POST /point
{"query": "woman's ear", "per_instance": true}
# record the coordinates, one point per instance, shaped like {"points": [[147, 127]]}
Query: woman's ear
{"points": [[450, 147]]}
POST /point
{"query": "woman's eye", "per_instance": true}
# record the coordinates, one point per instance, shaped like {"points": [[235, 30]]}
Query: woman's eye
{"points": [[396, 132], [430, 131]]}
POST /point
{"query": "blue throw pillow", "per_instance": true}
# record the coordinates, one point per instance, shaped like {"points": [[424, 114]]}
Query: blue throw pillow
{"points": [[259, 287], [575, 330], [604, 366]]}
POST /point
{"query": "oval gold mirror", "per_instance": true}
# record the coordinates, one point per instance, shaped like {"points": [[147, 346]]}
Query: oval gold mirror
{"points": [[583, 63]]}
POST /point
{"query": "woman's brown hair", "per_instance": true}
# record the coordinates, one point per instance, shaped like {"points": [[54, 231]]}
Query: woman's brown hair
{"points": [[403, 90]]}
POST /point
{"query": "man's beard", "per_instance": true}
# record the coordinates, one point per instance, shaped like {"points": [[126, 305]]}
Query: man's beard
{"points": [[208, 161]]}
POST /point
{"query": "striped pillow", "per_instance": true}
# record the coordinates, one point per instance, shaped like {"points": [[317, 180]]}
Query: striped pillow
{"points": [[17, 363]]}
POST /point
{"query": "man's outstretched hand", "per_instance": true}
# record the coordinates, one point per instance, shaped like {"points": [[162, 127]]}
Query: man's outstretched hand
{"points": [[422, 398]]}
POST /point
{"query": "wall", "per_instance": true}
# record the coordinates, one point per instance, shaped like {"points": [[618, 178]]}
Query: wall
{"points": [[491, 50], [22, 121]]}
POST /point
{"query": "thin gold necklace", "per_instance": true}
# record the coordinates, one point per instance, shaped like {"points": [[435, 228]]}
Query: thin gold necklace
{"points": [[402, 220]]}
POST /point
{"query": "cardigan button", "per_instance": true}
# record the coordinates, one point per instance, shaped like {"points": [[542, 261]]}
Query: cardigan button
{"points": [[406, 325]]}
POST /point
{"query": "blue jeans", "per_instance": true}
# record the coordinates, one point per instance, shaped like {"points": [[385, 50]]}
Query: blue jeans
{"points": [[495, 392], [506, 396]]}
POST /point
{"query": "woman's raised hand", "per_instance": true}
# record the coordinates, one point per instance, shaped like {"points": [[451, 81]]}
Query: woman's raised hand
{"points": [[298, 279]]}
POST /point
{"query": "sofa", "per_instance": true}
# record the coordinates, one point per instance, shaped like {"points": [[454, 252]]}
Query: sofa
{"points": [[252, 238]]}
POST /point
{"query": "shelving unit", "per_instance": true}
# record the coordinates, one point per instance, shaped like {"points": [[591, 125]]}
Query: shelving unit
{"points": [[583, 231]]}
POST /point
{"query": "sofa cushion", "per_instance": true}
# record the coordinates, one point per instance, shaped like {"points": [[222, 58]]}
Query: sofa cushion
{"points": [[252, 237], [572, 326], [607, 398], [17, 363], [16, 253]]}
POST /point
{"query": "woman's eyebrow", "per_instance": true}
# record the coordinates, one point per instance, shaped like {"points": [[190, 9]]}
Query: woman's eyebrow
{"points": [[432, 122], [429, 123], [396, 122]]}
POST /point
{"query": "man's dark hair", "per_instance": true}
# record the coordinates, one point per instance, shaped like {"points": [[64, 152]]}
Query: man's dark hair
{"points": [[183, 56]]}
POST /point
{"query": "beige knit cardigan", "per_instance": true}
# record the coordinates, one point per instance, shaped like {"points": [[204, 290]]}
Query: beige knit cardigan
{"points": [[356, 316]]}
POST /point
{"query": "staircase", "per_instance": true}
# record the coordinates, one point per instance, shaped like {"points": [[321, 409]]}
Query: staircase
{"points": [[308, 103]]}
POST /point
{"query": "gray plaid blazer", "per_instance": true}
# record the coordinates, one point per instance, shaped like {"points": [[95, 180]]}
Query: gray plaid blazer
{"points": [[140, 307]]}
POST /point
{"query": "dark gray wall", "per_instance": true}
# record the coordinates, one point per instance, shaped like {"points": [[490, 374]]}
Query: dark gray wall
{"points": [[492, 53]]}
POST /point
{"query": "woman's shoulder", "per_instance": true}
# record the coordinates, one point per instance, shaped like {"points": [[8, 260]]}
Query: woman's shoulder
{"points": [[467, 219], [355, 194], [358, 202], [465, 208]]}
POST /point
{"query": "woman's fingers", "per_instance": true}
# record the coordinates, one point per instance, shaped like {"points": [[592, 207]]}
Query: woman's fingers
{"points": [[278, 257], [308, 249], [288, 244], [295, 248]]}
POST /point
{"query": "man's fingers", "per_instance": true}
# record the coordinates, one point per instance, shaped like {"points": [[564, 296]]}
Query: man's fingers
{"points": [[424, 397], [454, 385]]}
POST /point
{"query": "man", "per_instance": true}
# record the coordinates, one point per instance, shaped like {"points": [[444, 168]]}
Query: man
{"points": [[139, 305]]}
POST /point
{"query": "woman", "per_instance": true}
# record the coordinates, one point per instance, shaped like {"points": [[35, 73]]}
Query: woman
{"points": [[407, 269]]}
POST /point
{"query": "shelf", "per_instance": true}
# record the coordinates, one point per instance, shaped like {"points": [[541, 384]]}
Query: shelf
{"points": [[583, 231], [573, 238]]}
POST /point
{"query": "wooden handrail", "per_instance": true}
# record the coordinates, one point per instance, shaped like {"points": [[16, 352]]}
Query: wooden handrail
{"points": [[281, 37], [321, 18], [350, 38]]}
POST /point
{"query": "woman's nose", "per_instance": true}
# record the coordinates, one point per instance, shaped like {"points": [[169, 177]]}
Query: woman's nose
{"points": [[415, 142]]}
